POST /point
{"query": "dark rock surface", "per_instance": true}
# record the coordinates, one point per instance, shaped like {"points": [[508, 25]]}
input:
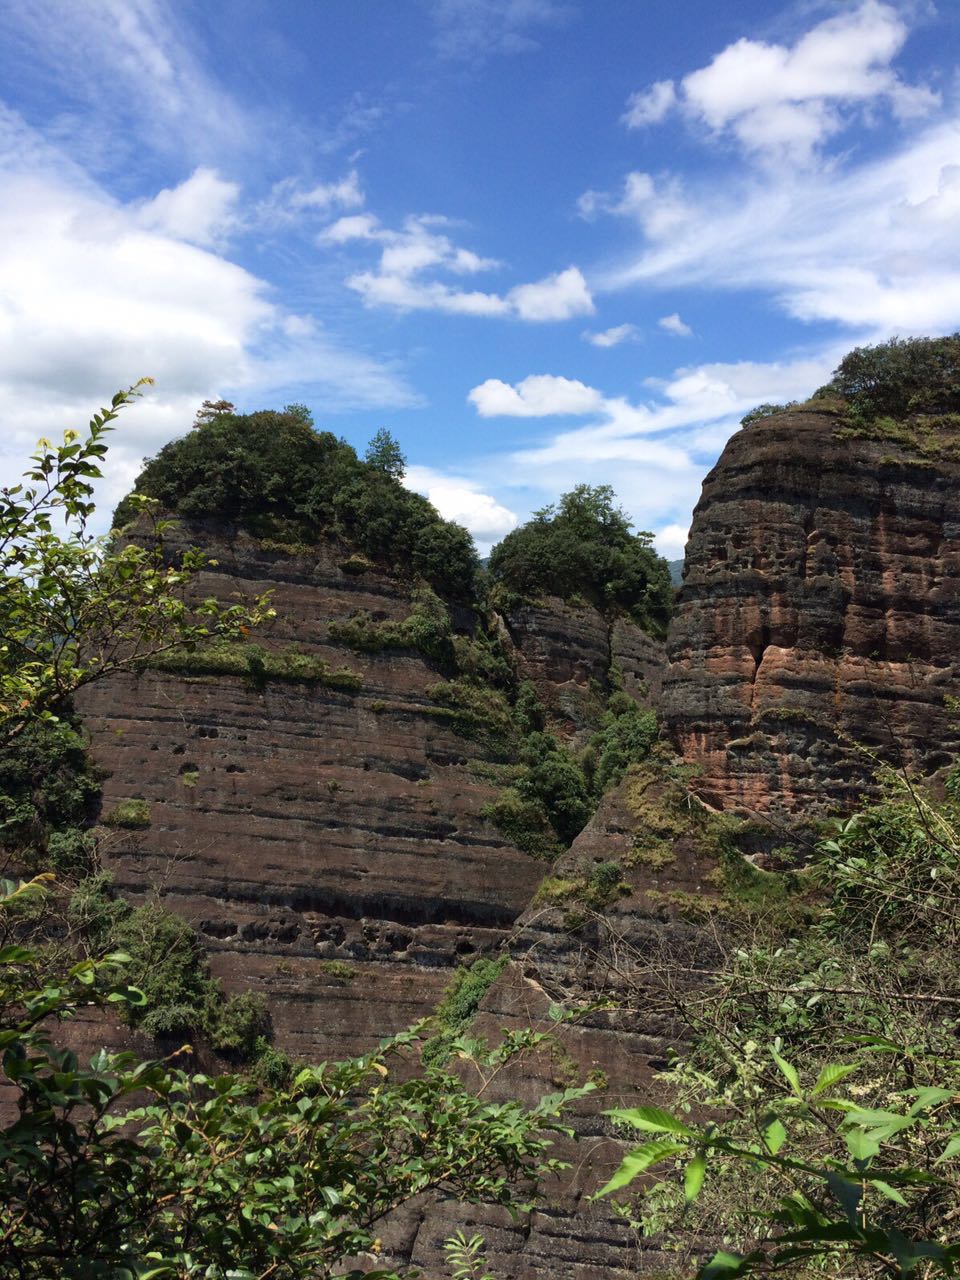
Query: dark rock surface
{"points": [[818, 625]]}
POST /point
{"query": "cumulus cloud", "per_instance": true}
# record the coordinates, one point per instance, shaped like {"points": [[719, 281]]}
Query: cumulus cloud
{"points": [[201, 210], [671, 540], [673, 324], [537, 396], [558, 297], [650, 106], [611, 337], [460, 499], [777, 99], [401, 280], [657, 451], [95, 293]]}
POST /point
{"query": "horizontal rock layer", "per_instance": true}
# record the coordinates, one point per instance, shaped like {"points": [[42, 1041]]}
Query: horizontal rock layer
{"points": [[818, 625]]}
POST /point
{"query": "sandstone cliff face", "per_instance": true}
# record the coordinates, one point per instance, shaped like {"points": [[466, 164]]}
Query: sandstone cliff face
{"points": [[327, 843], [329, 846], [818, 625]]}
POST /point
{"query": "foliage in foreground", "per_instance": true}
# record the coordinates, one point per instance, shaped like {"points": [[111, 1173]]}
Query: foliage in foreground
{"points": [[140, 1169], [71, 609], [829, 1060]]}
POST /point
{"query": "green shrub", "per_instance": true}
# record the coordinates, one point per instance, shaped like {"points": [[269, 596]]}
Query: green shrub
{"points": [[48, 792], [627, 733], [583, 547], [273, 473], [169, 965], [426, 628], [128, 813], [899, 378], [258, 666], [525, 823], [460, 1004]]}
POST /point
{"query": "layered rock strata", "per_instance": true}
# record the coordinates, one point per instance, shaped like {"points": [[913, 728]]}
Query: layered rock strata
{"points": [[818, 626], [327, 841]]}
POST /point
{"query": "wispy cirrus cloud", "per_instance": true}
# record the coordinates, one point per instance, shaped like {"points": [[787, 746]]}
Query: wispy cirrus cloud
{"points": [[874, 247], [472, 30]]}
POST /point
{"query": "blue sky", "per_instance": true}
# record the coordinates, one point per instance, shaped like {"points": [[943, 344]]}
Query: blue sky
{"points": [[541, 241]]}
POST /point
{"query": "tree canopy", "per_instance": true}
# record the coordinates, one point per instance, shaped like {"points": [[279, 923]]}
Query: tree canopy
{"points": [[901, 377], [583, 547], [274, 473]]}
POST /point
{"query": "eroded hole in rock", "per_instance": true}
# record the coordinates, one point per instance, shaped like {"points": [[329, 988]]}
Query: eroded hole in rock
{"points": [[235, 768]]}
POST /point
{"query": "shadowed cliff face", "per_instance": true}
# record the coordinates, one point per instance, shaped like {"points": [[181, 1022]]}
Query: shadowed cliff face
{"points": [[818, 625]]}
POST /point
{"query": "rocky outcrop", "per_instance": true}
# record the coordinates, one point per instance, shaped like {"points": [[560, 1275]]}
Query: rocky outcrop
{"points": [[326, 839], [571, 653], [818, 625]]}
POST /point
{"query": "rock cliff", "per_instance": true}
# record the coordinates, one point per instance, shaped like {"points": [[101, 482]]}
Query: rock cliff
{"points": [[817, 630], [325, 834]]}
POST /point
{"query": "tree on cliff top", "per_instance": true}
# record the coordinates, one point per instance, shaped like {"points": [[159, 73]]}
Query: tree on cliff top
{"points": [[901, 377], [274, 473], [583, 546]]}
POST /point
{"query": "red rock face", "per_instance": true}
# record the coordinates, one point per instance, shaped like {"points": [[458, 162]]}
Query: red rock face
{"points": [[818, 626], [327, 844]]}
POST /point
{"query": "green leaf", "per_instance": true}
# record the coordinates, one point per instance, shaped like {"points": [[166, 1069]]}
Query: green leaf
{"points": [[774, 1135], [831, 1075], [651, 1119], [885, 1189], [789, 1072], [639, 1161], [693, 1176]]}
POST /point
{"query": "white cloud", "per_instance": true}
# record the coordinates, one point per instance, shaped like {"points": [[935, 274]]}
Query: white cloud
{"points": [[462, 500], [136, 80], [202, 209], [356, 226], [673, 324], [874, 247], [651, 105], [611, 337], [537, 396], [289, 201], [471, 30], [777, 99], [406, 255], [671, 540], [95, 293], [558, 297], [656, 452]]}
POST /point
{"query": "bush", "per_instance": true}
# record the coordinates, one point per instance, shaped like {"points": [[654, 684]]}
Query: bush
{"points": [[271, 471], [48, 790], [901, 377], [128, 813], [583, 548]]}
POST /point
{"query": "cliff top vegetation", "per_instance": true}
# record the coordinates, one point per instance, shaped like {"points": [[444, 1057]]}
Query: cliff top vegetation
{"points": [[274, 473], [583, 548], [901, 378]]}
